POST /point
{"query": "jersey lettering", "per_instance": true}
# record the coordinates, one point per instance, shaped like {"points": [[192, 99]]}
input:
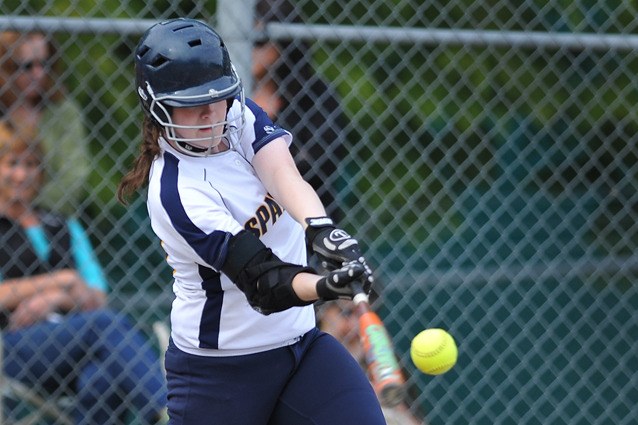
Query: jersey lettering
{"points": [[268, 212]]}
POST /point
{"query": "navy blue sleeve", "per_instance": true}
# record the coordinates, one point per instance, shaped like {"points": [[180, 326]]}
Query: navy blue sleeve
{"points": [[265, 130]]}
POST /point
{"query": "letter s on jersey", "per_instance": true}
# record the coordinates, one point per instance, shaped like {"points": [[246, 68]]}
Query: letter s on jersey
{"points": [[265, 216]]}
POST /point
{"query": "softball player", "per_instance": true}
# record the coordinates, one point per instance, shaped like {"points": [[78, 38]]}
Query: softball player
{"points": [[235, 219]]}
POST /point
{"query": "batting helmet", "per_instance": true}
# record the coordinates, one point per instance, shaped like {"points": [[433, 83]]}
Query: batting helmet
{"points": [[184, 63]]}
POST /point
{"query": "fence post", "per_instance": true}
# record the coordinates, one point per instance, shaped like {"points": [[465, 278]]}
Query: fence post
{"points": [[235, 22]]}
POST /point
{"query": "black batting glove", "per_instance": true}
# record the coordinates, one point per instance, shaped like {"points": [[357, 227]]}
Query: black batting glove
{"points": [[334, 247], [344, 282]]}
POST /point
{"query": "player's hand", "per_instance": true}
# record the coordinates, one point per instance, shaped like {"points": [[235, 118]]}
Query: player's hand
{"points": [[333, 246], [344, 282]]}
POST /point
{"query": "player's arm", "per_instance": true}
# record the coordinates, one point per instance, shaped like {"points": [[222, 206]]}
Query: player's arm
{"points": [[272, 285], [277, 170], [279, 174]]}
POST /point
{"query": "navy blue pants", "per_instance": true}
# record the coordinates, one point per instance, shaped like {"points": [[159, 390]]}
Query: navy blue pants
{"points": [[315, 381], [99, 356]]}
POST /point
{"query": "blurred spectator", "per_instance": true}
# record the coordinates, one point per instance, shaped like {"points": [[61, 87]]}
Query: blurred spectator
{"points": [[58, 335], [339, 319], [295, 97], [32, 94]]}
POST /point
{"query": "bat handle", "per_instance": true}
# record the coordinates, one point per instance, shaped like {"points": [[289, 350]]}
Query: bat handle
{"points": [[359, 294], [383, 366]]}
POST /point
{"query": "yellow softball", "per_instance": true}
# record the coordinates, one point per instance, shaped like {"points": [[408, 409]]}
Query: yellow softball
{"points": [[433, 351]]}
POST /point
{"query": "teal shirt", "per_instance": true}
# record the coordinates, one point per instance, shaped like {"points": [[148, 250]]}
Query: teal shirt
{"points": [[87, 264]]}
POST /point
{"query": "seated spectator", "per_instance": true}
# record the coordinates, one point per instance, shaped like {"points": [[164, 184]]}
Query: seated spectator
{"points": [[339, 320], [296, 98], [32, 94], [58, 333]]}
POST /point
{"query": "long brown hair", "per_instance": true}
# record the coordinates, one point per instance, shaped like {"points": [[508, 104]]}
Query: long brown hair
{"points": [[137, 176], [10, 42]]}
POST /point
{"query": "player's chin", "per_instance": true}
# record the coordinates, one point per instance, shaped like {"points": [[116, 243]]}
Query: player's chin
{"points": [[209, 137]]}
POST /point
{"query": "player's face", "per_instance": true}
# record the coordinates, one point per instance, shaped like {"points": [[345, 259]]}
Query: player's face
{"points": [[203, 122]]}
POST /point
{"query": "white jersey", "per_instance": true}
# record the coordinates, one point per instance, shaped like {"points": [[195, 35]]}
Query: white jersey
{"points": [[196, 204]]}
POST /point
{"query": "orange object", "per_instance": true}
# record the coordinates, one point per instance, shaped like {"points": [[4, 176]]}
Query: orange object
{"points": [[383, 367]]}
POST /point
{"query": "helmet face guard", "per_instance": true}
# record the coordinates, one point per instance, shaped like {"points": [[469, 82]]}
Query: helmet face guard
{"points": [[183, 63], [160, 109]]}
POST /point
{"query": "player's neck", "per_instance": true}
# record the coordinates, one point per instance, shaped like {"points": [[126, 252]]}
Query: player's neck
{"points": [[222, 146], [182, 146]]}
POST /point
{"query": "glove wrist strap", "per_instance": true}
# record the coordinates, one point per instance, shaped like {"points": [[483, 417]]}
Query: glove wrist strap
{"points": [[316, 225], [319, 222]]}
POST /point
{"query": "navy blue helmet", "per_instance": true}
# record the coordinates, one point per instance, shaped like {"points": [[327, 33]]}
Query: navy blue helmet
{"points": [[183, 63]]}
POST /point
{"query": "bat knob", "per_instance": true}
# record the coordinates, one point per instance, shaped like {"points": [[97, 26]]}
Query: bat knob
{"points": [[360, 297]]}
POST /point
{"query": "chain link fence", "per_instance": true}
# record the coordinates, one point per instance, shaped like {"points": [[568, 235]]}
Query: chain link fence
{"points": [[484, 152]]}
